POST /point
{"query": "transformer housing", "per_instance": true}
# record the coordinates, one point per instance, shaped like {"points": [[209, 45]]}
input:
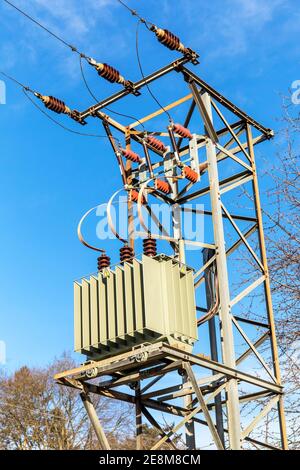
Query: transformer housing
{"points": [[140, 302]]}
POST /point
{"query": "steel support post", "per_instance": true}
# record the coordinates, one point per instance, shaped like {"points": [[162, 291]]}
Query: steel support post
{"points": [[95, 421], [190, 433], [267, 287], [189, 426], [138, 418], [210, 298], [190, 438], [203, 406], [233, 411]]}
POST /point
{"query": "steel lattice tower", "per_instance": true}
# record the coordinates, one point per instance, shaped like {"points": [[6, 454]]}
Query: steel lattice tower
{"points": [[220, 139]]}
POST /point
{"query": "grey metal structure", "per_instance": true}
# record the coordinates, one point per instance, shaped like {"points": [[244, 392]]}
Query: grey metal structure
{"points": [[225, 136]]}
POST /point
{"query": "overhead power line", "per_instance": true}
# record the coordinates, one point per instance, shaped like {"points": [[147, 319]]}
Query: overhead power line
{"points": [[104, 70], [109, 70], [70, 46], [166, 38], [59, 123], [17, 82], [27, 89], [148, 24], [143, 75]]}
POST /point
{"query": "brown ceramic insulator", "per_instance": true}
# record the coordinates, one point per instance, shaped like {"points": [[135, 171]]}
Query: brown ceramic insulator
{"points": [[162, 186], [132, 156], [103, 262], [182, 131], [156, 144], [109, 73], [55, 104], [126, 254], [168, 39], [134, 196], [150, 247], [190, 174]]}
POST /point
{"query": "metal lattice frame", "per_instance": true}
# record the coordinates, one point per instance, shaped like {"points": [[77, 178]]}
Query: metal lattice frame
{"points": [[221, 390]]}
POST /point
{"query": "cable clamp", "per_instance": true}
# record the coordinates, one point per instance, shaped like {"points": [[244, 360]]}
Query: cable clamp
{"points": [[131, 88]]}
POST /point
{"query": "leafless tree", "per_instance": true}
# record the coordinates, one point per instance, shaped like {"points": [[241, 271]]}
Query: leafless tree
{"points": [[37, 414], [282, 217], [281, 212]]}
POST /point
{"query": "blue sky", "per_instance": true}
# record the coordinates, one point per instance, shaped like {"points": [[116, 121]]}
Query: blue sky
{"points": [[249, 51]]}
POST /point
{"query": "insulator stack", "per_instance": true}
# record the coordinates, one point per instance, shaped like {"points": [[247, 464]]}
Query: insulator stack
{"points": [[103, 262], [55, 105], [182, 131], [190, 174], [156, 144], [111, 74], [132, 156], [126, 254], [59, 107], [150, 247], [134, 196], [162, 186], [169, 39]]}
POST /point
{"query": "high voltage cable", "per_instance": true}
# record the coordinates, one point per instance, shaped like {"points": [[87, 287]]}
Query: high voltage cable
{"points": [[70, 46], [27, 89], [146, 23], [62, 125], [109, 73], [143, 21], [73, 49], [135, 13], [104, 70], [143, 75], [17, 82]]}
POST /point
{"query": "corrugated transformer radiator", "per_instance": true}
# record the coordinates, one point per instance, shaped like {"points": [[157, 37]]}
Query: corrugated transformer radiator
{"points": [[143, 301]]}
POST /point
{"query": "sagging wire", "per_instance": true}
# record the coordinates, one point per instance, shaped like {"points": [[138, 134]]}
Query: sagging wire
{"points": [[85, 81], [26, 90], [165, 37], [58, 123], [105, 71], [143, 75], [215, 308]]}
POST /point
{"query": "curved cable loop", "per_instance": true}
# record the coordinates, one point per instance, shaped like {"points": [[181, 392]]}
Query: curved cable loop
{"points": [[79, 233], [109, 217]]}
